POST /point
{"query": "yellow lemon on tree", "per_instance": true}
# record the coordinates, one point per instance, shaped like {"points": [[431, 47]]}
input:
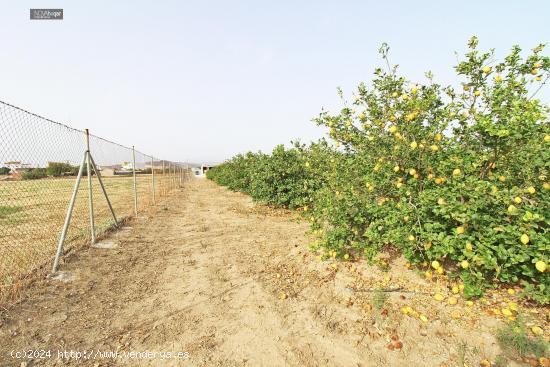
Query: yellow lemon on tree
{"points": [[477, 93], [398, 185], [441, 201], [455, 290], [413, 145], [405, 97], [414, 90], [501, 178], [531, 190], [396, 169], [411, 237], [393, 129], [517, 200], [546, 186], [498, 78], [394, 94], [412, 171], [460, 229], [435, 264], [469, 247], [541, 266], [547, 138], [524, 239], [464, 264], [512, 209], [438, 137], [486, 69], [434, 148], [456, 172]]}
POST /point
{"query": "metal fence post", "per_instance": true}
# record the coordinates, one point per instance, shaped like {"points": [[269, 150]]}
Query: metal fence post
{"points": [[163, 180], [153, 180], [135, 184], [90, 193], [68, 216]]}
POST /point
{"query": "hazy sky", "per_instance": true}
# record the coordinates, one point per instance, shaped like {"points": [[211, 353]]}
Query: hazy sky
{"points": [[203, 80]]}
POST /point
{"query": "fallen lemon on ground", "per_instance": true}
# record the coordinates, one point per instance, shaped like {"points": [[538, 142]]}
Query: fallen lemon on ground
{"points": [[439, 297], [455, 290], [452, 301], [537, 330], [423, 318], [435, 264]]}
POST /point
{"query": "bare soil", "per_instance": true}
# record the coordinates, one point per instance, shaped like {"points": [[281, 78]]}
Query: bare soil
{"points": [[225, 282]]}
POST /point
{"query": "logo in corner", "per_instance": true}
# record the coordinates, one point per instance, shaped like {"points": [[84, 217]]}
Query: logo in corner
{"points": [[46, 14]]}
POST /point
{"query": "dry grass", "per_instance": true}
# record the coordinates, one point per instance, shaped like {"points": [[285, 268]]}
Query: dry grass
{"points": [[32, 214]]}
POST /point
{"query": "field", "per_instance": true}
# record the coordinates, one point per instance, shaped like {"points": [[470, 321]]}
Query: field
{"points": [[33, 212], [233, 283]]}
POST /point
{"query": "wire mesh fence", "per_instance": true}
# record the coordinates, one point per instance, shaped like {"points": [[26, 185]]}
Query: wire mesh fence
{"points": [[39, 164]]}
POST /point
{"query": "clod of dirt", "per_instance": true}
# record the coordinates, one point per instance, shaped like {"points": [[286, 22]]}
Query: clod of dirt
{"points": [[105, 245], [63, 276]]}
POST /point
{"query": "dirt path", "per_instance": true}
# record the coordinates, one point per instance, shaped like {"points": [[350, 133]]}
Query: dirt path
{"points": [[231, 284]]}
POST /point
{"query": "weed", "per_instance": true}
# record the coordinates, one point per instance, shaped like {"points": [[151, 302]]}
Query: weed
{"points": [[515, 341]]}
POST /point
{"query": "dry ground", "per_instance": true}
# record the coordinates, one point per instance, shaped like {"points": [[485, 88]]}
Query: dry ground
{"points": [[233, 284]]}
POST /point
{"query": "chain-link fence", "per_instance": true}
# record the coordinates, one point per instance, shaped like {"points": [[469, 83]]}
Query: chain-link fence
{"points": [[40, 162]]}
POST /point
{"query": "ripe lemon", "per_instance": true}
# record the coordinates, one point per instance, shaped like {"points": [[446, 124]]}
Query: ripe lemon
{"points": [[346, 257], [441, 201], [541, 266], [428, 275], [512, 209], [546, 186], [517, 200], [524, 239], [511, 291], [531, 190], [460, 229], [413, 145], [466, 88], [430, 176], [547, 138], [537, 330], [506, 311], [477, 93], [538, 78], [414, 90], [440, 270], [469, 303], [456, 172], [412, 171], [438, 137], [536, 65], [411, 237], [455, 290], [423, 318], [438, 181], [464, 264], [486, 69], [469, 247], [452, 301], [405, 97], [439, 297], [394, 94], [361, 116], [534, 71], [398, 185], [396, 169], [393, 129], [498, 78], [461, 287], [434, 148], [501, 178], [435, 264], [393, 118]]}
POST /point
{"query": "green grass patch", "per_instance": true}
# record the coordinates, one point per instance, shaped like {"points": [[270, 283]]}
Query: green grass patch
{"points": [[6, 211]]}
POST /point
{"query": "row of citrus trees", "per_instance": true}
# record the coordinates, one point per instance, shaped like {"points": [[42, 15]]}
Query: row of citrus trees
{"points": [[456, 178]]}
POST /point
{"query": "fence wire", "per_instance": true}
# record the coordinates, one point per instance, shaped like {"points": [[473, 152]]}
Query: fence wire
{"points": [[39, 162]]}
